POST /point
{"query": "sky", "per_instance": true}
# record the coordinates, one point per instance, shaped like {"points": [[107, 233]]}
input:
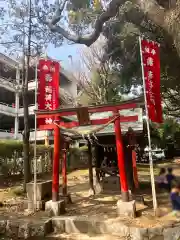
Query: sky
{"points": [[63, 52]]}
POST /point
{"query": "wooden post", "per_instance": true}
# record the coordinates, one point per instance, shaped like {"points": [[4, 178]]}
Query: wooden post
{"points": [[135, 172], [64, 169], [97, 164], [92, 191], [120, 157], [55, 181]]}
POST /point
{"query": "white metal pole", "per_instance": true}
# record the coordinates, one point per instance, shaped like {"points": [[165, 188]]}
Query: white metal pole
{"points": [[149, 136], [35, 137], [17, 103]]}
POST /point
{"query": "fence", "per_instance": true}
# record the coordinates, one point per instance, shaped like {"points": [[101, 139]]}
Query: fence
{"points": [[13, 165], [10, 166]]}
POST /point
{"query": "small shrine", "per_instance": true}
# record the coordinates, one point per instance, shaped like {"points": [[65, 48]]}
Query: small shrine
{"points": [[109, 128]]}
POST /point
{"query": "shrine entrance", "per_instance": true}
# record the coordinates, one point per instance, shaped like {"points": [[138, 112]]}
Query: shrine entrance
{"points": [[87, 123]]}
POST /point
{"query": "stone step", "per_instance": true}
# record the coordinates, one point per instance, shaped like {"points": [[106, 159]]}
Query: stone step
{"points": [[80, 236], [88, 226]]}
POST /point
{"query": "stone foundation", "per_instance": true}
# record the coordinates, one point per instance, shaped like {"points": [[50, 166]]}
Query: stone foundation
{"points": [[43, 194], [55, 208], [127, 209]]}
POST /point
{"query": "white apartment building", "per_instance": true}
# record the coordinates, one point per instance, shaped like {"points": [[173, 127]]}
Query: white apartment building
{"points": [[11, 104]]}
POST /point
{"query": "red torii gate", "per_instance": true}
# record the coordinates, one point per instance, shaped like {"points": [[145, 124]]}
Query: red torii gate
{"points": [[62, 112]]}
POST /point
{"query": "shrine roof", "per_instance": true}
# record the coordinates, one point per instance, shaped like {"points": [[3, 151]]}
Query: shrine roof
{"points": [[109, 130]]}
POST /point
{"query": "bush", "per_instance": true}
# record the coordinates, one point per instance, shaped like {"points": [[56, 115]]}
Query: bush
{"points": [[11, 156], [9, 147]]}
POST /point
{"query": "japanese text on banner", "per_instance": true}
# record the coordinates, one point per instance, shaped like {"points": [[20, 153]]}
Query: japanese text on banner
{"points": [[151, 65], [48, 88]]}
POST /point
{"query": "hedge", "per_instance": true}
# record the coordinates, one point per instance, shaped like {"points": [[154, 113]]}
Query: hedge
{"points": [[10, 147]]}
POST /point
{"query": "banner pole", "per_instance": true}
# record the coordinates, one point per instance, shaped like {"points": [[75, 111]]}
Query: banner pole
{"points": [[35, 138], [149, 136]]}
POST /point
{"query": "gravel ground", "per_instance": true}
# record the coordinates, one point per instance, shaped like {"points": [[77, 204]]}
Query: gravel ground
{"points": [[102, 206]]}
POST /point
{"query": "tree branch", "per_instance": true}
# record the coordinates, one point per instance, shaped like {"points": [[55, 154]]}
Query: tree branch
{"points": [[153, 10], [111, 11], [149, 7], [59, 9]]}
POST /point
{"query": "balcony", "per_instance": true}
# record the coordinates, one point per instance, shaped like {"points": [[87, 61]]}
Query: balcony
{"points": [[6, 84], [11, 111], [5, 135], [68, 92], [7, 110], [41, 135], [31, 110]]}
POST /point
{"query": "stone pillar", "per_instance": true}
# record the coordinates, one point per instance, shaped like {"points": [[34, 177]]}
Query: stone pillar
{"points": [[46, 139], [16, 121]]}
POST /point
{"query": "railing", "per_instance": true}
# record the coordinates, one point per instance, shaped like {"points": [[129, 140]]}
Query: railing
{"points": [[7, 109], [4, 134], [31, 110], [6, 84]]}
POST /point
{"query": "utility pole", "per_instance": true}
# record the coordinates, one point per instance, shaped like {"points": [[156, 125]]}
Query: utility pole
{"points": [[26, 132]]}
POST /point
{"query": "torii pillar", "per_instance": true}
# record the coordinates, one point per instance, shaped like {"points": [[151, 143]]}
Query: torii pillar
{"points": [[120, 157], [65, 195], [56, 157], [55, 206]]}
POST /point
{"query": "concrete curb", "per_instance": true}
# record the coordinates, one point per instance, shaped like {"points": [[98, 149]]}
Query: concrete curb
{"points": [[81, 224], [86, 225]]}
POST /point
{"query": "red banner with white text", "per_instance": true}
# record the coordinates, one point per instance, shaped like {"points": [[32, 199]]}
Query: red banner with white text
{"points": [[48, 88], [151, 65]]}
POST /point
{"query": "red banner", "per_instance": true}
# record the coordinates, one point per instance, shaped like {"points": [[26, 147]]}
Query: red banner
{"points": [[151, 64], [48, 88]]}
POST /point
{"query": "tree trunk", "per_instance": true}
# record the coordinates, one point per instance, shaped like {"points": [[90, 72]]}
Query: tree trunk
{"points": [[26, 132], [91, 185], [97, 164]]}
